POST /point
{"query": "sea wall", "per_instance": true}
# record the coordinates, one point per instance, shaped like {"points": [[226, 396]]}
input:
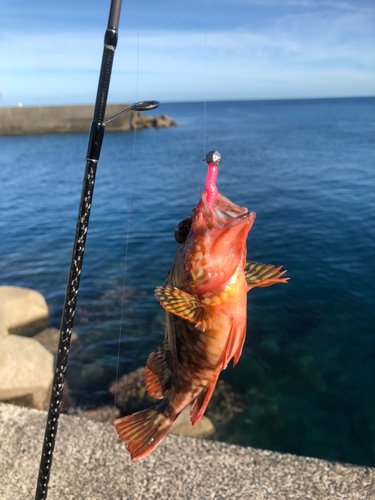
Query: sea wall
{"points": [[72, 119]]}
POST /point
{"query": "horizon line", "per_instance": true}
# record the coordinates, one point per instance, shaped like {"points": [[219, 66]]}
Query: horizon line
{"points": [[273, 99]]}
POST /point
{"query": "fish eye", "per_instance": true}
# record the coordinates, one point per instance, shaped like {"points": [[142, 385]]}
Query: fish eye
{"points": [[182, 230]]}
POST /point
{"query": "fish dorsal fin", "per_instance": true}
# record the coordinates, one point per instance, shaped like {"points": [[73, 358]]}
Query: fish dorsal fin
{"points": [[186, 306], [158, 374], [262, 275], [201, 402]]}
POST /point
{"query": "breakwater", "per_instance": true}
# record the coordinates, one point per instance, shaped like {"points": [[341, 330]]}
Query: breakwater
{"points": [[72, 119]]}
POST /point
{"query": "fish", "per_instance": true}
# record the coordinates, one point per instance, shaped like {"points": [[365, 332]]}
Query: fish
{"points": [[205, 299]]}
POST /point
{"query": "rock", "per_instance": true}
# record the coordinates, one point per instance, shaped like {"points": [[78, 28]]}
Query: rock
{"points": [[204, 429], [224, 405], [117, 295], [140, 121], [26, 371], [49, 338], [111, 300], [164, 121], [68, 402], [22, 308], [131, 394], [102, 414]]}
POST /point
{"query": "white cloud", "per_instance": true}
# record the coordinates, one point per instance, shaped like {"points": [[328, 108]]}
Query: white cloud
{"points": [[318, 4], [295, 54]]}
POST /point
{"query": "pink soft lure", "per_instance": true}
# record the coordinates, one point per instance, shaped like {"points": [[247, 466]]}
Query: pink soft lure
{"points": [[211, 185]]}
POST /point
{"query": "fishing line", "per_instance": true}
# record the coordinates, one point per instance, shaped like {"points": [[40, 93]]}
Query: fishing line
{"points": [[205, 93], [128, 227], [137, 49], [125, 265]]}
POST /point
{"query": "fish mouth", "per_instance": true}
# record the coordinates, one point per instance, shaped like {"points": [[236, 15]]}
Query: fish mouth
{"points": [[216, 243], [224, 214]]}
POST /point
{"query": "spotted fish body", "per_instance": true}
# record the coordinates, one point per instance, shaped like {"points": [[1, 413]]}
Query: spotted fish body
{"points": [[205, 323]]}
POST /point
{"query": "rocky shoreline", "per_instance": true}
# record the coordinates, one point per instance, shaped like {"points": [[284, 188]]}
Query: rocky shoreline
{"points": [[26, 372], [73, 119]]}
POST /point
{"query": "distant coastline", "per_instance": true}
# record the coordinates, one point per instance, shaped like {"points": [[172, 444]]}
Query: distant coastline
{"points": [[72, 119]]}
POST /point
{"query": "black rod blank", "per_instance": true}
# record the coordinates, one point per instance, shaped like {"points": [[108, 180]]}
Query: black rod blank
{"points": [[93, 153]]}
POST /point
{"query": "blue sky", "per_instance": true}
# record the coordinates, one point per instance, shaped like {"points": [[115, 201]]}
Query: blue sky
{"points": [[170, 50]]}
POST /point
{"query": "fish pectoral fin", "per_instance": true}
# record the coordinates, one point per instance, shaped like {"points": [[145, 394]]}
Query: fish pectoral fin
{"points": [[263, 275], [186, 306], [158, 374], [201, 402]]}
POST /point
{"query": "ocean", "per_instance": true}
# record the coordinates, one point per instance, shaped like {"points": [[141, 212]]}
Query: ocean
{"points": [[307, 168]]}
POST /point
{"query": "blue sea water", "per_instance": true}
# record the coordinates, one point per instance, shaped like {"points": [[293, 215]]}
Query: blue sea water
{"points": [[306, 167]]}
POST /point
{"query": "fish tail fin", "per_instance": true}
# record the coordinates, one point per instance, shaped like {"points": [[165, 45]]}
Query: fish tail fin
{"points": [[143, 431]]}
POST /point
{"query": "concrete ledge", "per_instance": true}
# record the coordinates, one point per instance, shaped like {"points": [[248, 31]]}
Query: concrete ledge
{"points": [[72, 119], [91, 463]]}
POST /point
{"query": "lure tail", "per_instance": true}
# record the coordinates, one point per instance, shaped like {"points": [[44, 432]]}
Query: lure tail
{"points": [[143, 431]]}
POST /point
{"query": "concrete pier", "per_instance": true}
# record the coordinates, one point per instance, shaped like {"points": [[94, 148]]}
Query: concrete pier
{"points": [[72, 119], [91, 463]]}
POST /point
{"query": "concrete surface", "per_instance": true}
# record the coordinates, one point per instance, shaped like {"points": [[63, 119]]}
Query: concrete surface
{"points": [[90, 462], [26, 370], [3, 326], [22, 307]]}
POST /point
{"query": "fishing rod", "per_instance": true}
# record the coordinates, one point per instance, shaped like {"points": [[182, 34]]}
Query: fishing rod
{"points": [[93, 152]]}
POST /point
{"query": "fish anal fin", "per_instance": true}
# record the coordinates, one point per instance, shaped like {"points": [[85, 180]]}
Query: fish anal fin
{"points": [[235, 342], [158, 374], [143, 431], [186, 306], [262, 275], [240, 340], [201, 402]]}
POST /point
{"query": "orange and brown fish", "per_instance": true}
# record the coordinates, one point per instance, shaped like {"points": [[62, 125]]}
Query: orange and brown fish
{"points": [[205, 321]]}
